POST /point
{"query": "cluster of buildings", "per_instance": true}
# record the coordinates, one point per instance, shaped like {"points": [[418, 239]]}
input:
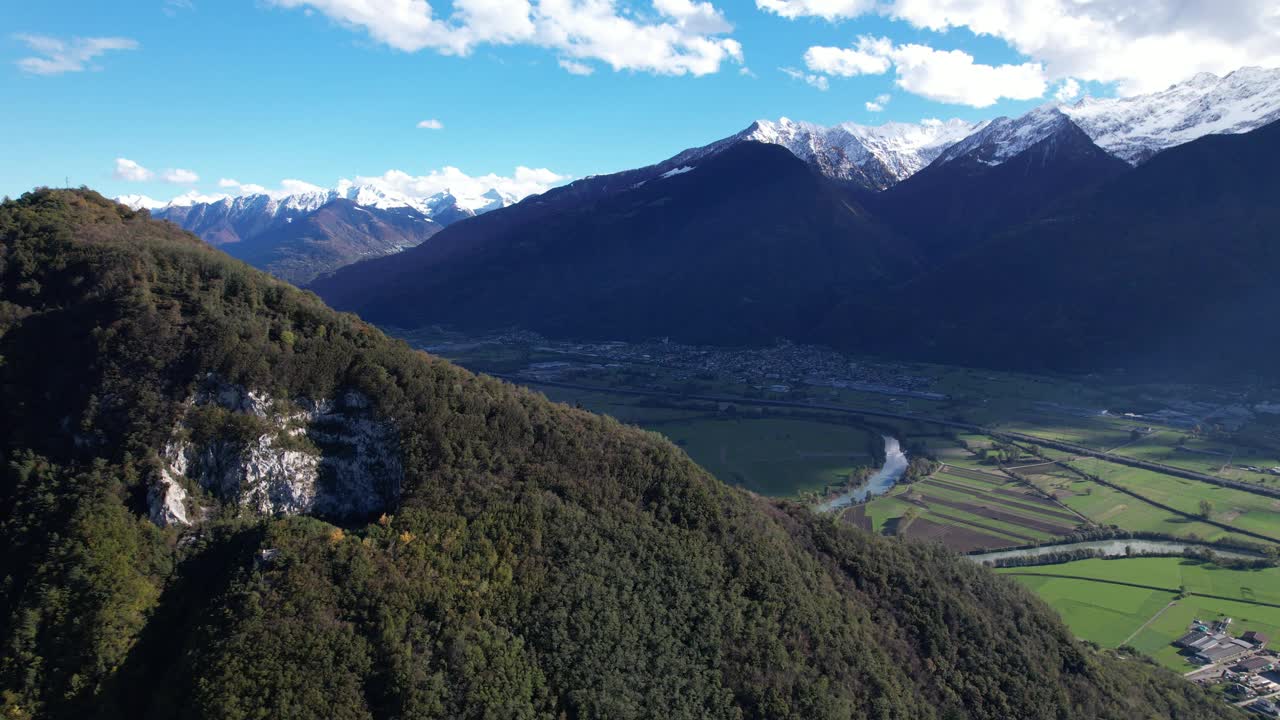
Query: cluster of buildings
{"points": [[1211, 644], [1266, 708], [1246, 665], [774, 369]]}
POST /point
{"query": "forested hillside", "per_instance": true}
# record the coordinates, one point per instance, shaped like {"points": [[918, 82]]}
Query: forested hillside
{"points": [[533, 561]]}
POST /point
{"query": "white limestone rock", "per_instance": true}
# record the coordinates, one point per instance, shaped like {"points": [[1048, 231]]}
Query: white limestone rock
{"points": [[316, 456], [167, 501]]}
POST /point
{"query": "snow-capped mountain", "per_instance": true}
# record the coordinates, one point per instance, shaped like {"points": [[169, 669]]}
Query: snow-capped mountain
{"points": [[276, 205], [875, 157], [140, 202], [1004, 137], [226, 219], [1135, 128]]}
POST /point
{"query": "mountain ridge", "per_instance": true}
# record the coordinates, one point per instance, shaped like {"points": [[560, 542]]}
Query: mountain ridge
{"points": [[1002, 176], [1132, 128], [664, 256], [1155, 269]]}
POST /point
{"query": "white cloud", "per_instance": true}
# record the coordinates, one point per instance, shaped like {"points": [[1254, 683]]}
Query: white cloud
{"points": [[56, 56], [696, 17], [677, 37], [1140, 45], [574, 67], [846, 62], [138, 202], [878, 104], [194, 197], [953, 77], [827, 9], [1069, 90], [131, 171], [949, 76], [520, 184], [178, 176], [818, 81], [241, 188], [431, 124], [290, 186], [173, 7], [597, 30]]}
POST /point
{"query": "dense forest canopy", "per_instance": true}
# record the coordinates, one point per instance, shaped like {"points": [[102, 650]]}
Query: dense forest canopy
{"points": [[541, 561]]}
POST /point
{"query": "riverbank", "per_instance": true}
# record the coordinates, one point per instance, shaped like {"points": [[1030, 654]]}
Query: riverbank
{"points": [[1115, 548], [895, 465]]}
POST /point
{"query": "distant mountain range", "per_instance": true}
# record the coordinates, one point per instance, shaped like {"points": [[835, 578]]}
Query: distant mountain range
{"points": [[300, 236], [873, 159], [1136, 128], [334, 235], [1132, 129], [855, 230]]}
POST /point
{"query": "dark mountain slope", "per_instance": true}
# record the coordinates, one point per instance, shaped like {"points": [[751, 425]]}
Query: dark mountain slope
{"points": [[1172, 266], [747, 246], [957, 201], [337, 234], [536, 561]]}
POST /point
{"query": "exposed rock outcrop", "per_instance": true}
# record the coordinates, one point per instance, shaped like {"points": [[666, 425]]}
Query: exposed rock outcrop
{"points": [[326, 457], [167, 501]]}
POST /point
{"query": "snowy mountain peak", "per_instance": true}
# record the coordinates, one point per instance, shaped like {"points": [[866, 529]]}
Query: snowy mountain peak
{"points": [[873, 156], [1135, 128], [1005, 137], [444, 206], [140, 202]]}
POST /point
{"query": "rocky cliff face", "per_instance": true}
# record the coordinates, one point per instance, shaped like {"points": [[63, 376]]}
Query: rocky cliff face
{"points": [[324, 457]]}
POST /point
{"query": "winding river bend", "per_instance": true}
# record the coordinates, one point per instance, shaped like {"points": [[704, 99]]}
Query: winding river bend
{"points": [[895, 464]]}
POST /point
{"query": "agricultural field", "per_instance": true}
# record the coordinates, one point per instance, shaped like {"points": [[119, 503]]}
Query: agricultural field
{"points": [[774, 456], [765, 452], [1150, 618], [1106, 506], [970, 509], [1243, 510], [1221, 457], [1105, 614]]}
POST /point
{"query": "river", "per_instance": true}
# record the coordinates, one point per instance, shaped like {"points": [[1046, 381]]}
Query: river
{"points": [[895, 464], [1114, 548]]}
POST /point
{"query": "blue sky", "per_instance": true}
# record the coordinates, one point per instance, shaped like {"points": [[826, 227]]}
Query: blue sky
{"points": [[264, 90]]}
